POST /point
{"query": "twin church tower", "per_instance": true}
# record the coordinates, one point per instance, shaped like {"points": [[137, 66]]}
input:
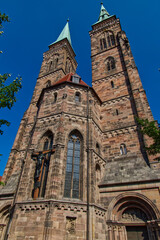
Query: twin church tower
{"points": [[78, 169]]}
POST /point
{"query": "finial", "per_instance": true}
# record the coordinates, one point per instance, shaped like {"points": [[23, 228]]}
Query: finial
{"points": [[68, 20], [101, 3]]}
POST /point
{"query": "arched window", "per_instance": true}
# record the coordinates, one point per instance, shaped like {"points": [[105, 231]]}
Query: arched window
{"points": [[42, 165], [4, 218], [123, 149], [55, 97], [48, 84], [50, 65], [110, 39], [117, 112], [103, 44], [107, 40], [110, 62], [77, 97], [112, 84], [54, 62], [72, 177]]}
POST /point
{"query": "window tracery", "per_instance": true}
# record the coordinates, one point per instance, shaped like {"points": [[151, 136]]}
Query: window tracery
{"points": [[107, 40], [110, 63], [72, 177]]}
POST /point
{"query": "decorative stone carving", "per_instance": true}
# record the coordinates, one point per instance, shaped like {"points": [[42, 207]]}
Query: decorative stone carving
{"points": [[134, 215], [71, 225]]}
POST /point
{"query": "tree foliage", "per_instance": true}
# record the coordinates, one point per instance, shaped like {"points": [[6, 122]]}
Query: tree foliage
{"points": [[152, 130], [7, 91]]}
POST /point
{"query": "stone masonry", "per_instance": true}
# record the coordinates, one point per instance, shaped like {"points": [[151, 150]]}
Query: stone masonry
{"points": [[118, 183]]}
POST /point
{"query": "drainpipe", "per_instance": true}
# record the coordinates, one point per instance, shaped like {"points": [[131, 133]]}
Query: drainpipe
{"points": [[88, 177]]}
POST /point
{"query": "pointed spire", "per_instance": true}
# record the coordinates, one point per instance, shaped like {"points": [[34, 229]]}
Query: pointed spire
{"points": [[103, 14], [65, 34]]}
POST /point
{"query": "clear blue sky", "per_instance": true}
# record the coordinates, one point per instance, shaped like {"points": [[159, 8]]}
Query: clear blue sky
{"points": [[37, 23]]}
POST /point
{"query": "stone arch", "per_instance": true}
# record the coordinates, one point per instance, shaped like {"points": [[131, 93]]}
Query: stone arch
{"points": [[44, 135], [42, 164], [137, 216], [76, 131], [4, 218], [135, 199]]}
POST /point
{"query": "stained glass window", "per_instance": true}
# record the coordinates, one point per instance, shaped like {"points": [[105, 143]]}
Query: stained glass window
{"points": [[71, 189]]}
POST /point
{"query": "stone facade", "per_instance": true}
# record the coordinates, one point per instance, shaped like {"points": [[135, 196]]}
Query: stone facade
{"points": [[118, 183]]}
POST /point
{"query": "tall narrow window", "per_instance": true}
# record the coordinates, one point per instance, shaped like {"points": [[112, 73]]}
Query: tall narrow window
{"points": [[97, 148], [112, 84], [68, 66], [50, 65], [103, 43], [55, 97], [110, 39], [72, 182], [48, 84], [123, 149], [117, 112]]}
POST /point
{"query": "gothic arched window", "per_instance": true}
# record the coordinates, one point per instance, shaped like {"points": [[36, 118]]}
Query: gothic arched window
{"points": [[103, 43], [123, 149], [54, 62], [42, 165], [72, 177], [48, 83], [110, 64], [112, 84], [4, 218], [110, 39], [107, 40], [55, 97]]}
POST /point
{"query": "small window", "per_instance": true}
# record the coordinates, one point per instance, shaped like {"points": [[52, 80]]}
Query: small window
{"points": [[123, 149], [117, 112], [76, 78], [77, 97], [112, 84], [55, 97], [97, 148], [48, 84]]}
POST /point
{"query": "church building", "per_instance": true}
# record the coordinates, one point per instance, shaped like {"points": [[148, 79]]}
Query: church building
{"points": [[78, 168]]}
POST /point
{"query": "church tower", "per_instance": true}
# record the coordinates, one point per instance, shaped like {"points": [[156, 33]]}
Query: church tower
{"points": [[116, 80], [78, 169]]}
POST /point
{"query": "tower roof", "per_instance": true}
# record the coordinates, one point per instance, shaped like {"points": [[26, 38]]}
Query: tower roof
{"points": [[103, 14], [64, 34]]}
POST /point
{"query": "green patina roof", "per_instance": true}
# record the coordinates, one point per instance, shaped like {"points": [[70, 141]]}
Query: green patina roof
{"points": [[103, 14], [64, 34]]}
